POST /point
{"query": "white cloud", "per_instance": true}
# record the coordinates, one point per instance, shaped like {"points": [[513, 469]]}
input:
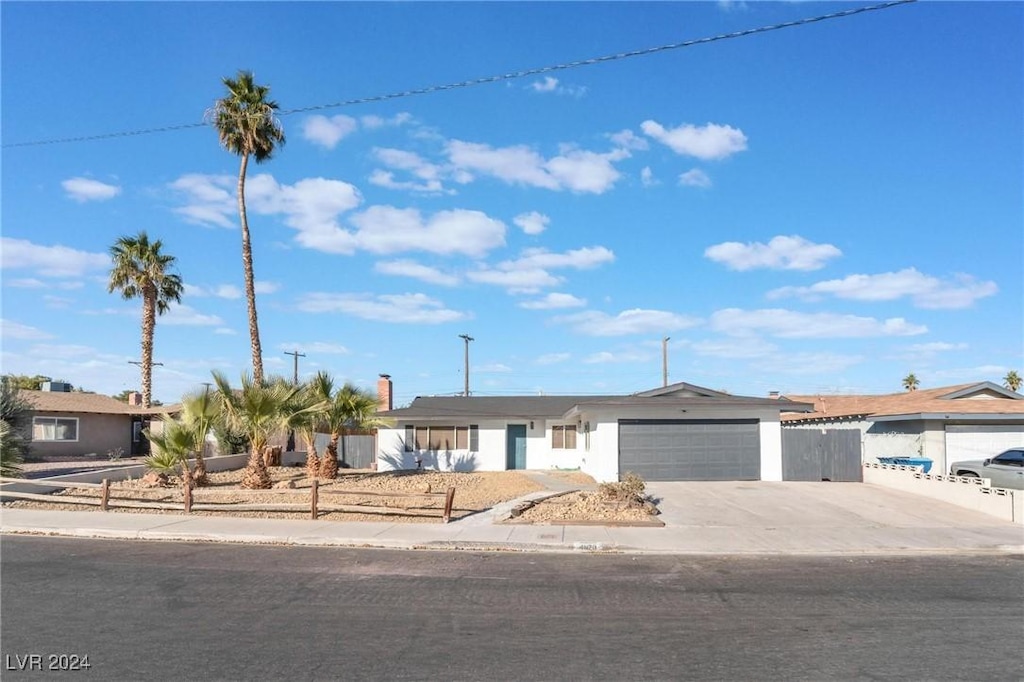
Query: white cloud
{"points": [[573, 169], [529, 272], [372, 121], [492, 368], [553, 358], [522, 281], [635, 321], [695, 177], [935, 347], [708, 142], [397, 308], [209, 200], [746, 348], [49, 261], [15, 330], [627, 139], [428, 175], [319, 347], [84, 189], [224, 331], [409, 268], [532, 222], [794, 325], [328, 132], [608, 357], [925, 291], [182, 315], [228, 291], [554, 301], [265, 287], [580, 259], [386, 229], [781, 253], [547, 85], [647, 177], [553, 85], [32, 283]]}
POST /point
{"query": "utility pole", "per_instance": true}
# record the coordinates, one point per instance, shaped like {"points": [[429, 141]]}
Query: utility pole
{"points": [[467, 338], [295, 374], [664, 361]]}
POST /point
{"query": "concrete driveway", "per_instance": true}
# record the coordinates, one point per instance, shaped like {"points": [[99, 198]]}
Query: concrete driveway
{"points": [[828, 516]]}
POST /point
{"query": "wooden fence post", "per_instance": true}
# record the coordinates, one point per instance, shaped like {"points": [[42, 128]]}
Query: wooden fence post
{"points": [[104, 494], [448, 500], [314, 493], [188, 497]]}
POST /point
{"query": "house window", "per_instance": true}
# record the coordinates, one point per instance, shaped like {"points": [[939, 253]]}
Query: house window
{"points": [[563, 437], [442, 438], [54, 429]]}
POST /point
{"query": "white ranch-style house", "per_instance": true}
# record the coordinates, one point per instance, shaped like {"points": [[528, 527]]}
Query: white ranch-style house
{"points": [[676, 433]]}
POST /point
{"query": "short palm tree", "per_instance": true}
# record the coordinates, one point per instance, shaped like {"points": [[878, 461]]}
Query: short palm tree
{"points": [[173, 443], [248, 127], [11, 450], [1012, 380], [347, 408], [260, 410], [200, 413], [307, 415], [141, 270], [910, 382]]}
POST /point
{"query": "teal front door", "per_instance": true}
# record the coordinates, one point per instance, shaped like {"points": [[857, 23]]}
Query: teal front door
{"points": [[515, 446]]}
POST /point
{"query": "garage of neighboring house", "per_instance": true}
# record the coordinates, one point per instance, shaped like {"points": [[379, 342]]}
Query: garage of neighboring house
{"points": [[979, 441], [690, 450]]}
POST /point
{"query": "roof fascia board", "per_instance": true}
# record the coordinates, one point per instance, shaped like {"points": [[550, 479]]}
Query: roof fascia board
{"points": [[942, 416], [983, 386]]}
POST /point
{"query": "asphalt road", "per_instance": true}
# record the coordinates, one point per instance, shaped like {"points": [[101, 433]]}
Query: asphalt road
{"points": [[177, 611]]}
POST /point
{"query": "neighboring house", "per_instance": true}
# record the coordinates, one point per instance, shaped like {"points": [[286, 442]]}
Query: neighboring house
{"points": [[946, 424], [67, 424], [679, 432]]}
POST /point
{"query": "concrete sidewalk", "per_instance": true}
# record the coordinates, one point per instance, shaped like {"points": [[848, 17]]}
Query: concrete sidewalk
{"points": [[701, 518]]}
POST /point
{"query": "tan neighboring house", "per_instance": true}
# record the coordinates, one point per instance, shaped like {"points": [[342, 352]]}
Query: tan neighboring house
{"points": [[945, 424], [69, 424]]}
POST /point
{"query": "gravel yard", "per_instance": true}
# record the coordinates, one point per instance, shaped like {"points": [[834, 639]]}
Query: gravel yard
{"points": [[474, 492]]}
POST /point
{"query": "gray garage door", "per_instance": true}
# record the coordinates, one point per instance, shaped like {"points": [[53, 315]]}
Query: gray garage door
{"points": [[678, 450]]}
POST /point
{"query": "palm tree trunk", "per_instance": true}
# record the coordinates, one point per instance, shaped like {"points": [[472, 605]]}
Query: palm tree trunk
{"points": [[256, 475], [250, 285], [199, 473], [148, 326], [329, 462]]}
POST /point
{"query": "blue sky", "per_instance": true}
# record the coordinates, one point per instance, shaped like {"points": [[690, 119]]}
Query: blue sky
{"points": [[817, 209]]}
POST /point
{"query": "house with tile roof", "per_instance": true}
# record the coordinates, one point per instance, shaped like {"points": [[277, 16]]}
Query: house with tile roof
{"points": [[944, 424], [674, 433], [67, 424]]}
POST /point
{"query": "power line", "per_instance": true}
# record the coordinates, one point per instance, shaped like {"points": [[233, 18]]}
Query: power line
{"points": [[524, 73]]}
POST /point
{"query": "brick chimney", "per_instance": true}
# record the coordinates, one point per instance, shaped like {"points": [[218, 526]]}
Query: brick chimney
{"points": [[135, 399], [384, 393]]}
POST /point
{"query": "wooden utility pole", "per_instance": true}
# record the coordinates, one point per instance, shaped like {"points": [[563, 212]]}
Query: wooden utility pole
{"points": [[295, 373], [467, 338], [664, 361]]}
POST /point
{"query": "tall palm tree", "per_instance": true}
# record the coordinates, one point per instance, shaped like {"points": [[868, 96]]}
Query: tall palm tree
{"points": [[141, 270], [910, 382], [260, 410], [347, 408], [1012, 380], [247, 126]]}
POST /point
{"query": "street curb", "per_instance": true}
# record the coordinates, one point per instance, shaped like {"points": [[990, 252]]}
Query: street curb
{"points": [[591, 548]]}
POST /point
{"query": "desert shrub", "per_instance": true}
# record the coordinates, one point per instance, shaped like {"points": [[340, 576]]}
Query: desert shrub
{"points": [[630, 489]]}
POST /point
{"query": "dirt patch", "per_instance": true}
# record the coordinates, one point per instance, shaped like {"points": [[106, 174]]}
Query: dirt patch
{"points": [[475, 492]]}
